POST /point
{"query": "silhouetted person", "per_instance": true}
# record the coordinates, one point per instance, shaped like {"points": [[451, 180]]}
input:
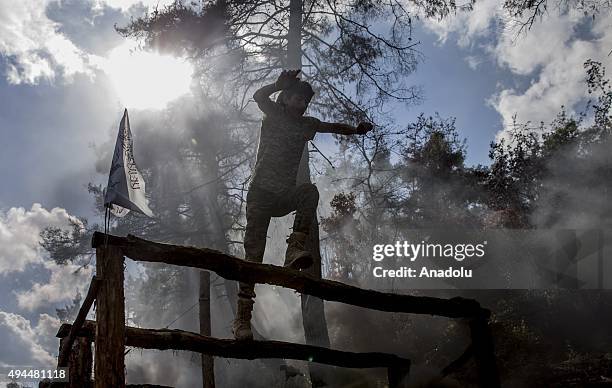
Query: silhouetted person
{"points": [[273, 191]]}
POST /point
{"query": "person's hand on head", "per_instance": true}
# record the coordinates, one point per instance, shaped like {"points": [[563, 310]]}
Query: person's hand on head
{"points": [[287, 78], [364, 128]]}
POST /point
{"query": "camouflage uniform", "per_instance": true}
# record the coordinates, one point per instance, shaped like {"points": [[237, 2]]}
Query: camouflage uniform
{"points": [[273, 191]]}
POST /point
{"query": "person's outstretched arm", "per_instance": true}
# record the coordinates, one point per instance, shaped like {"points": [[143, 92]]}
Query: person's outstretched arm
{"points": [[262, 96], [344, 129]]}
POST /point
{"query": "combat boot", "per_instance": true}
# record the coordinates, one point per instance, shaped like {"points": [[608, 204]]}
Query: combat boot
{"points": [[242, 324], [297, 257]]}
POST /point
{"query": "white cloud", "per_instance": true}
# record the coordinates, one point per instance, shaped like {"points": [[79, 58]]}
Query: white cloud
{"points": [[46, 329], [35, 49], [546, 40], [20, 250], [20, 235], [26, 343], [473, 61], [467, 25], [551, 54], [560, 82], [63, 284], [127, 4], [29, 346]]}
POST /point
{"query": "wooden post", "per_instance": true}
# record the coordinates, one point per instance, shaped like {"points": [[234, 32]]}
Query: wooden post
{"points": [[484, 353], [66, 344], [79, 362], [398, 376], [110, 319], [79, 358]]}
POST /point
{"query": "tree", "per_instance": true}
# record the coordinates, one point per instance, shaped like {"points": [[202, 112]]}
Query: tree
{"points": [[543, 174], [354, 68], [527, 12], [443, 191]]}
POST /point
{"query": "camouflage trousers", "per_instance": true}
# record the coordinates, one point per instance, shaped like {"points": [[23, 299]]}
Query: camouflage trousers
{"points": [[261, 206]]}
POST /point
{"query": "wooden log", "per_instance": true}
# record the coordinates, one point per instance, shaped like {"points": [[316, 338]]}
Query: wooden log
{"points": [[110, 316], [78, 322], [84, 331], [79, 359], [231, 267], [484, 353], [165, 339]]}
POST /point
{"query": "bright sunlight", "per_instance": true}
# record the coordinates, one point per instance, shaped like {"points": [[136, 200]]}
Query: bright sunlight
{"points": [[146, 80]]}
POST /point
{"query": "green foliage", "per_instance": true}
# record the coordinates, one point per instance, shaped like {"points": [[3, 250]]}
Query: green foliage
{"points": [[527, 12], [443, 191], [543, 174], [345, 234], [344, 204], [181, 29], [599, 85], [355, 67], [67, 245]]}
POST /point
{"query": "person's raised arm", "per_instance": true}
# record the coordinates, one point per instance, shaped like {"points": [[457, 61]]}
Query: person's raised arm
{"points": [[262, 95], [344, 129]]}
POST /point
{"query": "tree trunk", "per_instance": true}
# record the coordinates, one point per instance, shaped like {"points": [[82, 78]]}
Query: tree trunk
{"points": [[208, 366], [313, 311]]}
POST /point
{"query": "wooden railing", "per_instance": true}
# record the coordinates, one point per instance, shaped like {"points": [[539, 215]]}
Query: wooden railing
{"points": [[111, 335]]}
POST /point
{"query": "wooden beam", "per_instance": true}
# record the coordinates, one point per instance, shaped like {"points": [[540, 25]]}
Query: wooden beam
{"points": [[78, 322], [109, 369], [230, 267], [165, 339]]}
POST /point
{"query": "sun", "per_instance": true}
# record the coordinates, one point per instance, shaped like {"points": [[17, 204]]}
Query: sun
{"points": [[147, 80]]}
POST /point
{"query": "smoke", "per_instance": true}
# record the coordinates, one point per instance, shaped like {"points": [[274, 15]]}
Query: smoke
{"points": [[576, 189], [184, 151], [534, 330], [195, 156]]}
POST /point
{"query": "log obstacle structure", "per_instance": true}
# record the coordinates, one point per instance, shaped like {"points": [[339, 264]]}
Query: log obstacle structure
{"points": [[110, 335]]}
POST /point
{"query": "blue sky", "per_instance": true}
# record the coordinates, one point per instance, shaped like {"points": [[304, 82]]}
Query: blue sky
{"points": [[61, 109], [454, 89]]}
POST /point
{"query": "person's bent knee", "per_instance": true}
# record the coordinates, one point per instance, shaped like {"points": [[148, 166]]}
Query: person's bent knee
{"points": [[310, 190]]}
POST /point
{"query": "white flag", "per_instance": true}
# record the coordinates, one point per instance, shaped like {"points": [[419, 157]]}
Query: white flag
{"points": [[126, 188]]}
